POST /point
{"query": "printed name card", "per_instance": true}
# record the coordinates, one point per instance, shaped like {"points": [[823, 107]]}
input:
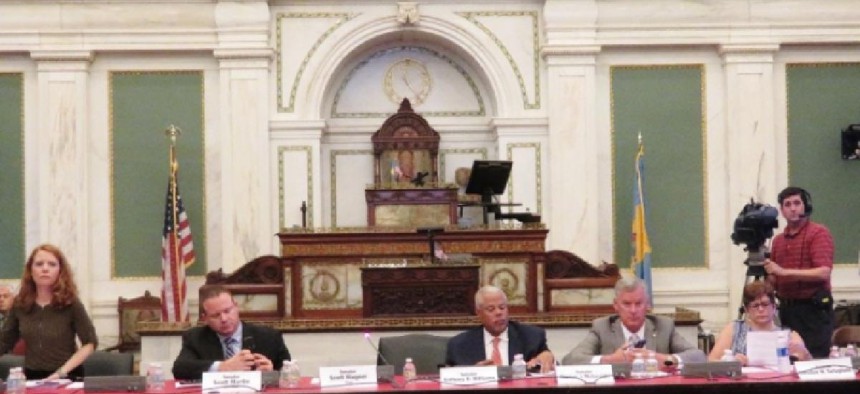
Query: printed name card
{"points": [[577, 375], [234, 382], [348, 375], [469, 375], [825, 369]]}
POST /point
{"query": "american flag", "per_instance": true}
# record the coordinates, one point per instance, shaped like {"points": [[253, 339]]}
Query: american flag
{"points": [[177, 252]]}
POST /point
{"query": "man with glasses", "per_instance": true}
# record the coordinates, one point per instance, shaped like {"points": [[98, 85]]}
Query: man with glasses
{"points": [[618, 338], [226, 343], [498, 339]]}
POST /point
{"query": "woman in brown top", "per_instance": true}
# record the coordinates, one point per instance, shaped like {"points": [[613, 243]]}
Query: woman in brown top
{"points": [[48, 315]]}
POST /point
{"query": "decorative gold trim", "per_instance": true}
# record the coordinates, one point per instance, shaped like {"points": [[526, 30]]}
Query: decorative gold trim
{"points": [[345, 17], [538, 182], [470, 16], [333, 154], [442, 160], [681, 316], [310, 184], [406, 49], [704, 122], [202, 228]]}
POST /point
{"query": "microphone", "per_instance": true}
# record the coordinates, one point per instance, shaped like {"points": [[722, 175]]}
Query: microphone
{"points": [[375, 349], [383, 372]]}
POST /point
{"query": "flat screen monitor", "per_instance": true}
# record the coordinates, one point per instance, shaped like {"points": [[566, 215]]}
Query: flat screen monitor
{"points": [[489, 178]]}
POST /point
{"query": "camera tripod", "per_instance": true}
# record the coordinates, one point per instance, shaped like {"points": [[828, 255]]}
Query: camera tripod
{"points": [[755, 269]]}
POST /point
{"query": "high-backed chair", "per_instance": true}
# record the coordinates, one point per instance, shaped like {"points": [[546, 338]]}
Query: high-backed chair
{"points": [[132, 312], [844, 335], [427, 352], [102, 363], [7, 361]]}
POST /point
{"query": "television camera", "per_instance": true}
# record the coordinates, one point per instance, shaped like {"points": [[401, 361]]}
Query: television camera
{"points": [[753, 227]]}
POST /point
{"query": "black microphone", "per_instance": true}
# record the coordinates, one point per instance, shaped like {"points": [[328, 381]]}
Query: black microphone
{"points": [[383, 372], [249, 343]]}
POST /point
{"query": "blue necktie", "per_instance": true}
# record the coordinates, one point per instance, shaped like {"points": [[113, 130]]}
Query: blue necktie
{"points": [[229, 350]]}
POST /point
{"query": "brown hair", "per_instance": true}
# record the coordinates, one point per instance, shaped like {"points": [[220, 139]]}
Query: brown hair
{"points": [[754, 290], [64, 291], [209, 292]]}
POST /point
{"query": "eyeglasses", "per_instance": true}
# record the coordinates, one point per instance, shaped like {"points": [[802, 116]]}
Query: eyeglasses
{"points": [[760, 305]]}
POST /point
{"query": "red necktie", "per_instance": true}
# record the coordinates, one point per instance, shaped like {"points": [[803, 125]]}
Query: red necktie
{"points": [[497, 355]]}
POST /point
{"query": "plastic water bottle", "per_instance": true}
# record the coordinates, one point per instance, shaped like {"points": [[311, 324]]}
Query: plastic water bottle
{"points": [[850, 350], [834, 352], [16, 383], [154, 377], [409, 372], [294, 374], [783, 362], [637, 369], [518, 368], [651, 366], [727, 355]]}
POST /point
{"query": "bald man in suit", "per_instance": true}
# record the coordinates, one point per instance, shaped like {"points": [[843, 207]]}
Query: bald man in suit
{"points": [[618, 338]]}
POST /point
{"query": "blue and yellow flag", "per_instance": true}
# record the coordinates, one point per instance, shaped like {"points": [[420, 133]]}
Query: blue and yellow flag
{"points": [[641, 259]]}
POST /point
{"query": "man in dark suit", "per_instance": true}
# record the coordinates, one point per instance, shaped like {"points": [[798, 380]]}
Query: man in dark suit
{"points": [[226, 343], [618, 338], [497, 340]]}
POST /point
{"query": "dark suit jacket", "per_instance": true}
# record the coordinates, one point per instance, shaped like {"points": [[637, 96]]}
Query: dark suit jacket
{"points": [[606, 335], [201, 347], [467, 348]]}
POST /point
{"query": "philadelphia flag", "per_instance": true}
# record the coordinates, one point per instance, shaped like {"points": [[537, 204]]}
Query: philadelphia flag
{"points": [[641, 259]]}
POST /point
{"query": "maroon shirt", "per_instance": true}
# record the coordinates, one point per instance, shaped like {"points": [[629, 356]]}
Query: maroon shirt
{"points": [[811, 246]]}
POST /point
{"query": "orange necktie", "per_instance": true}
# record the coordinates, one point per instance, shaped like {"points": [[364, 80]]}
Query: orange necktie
{"points": [[497, 355]]}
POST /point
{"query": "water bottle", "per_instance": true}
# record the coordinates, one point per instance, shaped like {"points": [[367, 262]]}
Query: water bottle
{"points": [[284, 375], [637, 369], [651, 366], [834, 352], [154, 377], [783, 362], [850, 350], [409, 372], [518, 368], [16, 383], [294, 374], [727, 355]]}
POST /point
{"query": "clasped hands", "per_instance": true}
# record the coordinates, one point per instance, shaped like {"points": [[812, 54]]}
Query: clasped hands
{"points": [[544, 359], [246, 361], [626, 353]]}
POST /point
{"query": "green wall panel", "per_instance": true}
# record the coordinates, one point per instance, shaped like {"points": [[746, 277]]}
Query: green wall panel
{"points": [[12, 253], [143, 105], [822, 100], [665, 104]]}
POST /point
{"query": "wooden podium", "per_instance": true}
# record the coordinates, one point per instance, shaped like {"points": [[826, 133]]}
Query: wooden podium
{"points": [[419, 289]]}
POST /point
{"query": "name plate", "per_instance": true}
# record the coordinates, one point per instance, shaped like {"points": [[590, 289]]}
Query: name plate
{"points": [[469, 375], [348, 375], [234, 382], [577, 375], [825, 369]]}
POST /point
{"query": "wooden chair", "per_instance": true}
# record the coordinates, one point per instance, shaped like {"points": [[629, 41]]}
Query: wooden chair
{"points": [[131, 312], [845, 335], [567, 271]]}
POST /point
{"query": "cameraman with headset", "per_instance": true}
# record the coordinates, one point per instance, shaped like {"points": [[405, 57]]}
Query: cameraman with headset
{"points": [[799, 268]]}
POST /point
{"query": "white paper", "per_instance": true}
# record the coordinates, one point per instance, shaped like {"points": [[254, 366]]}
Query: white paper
{"points": [[469, 375], [234, 382], [347, 375], [761, 348], [577, 375], [825, 369]]}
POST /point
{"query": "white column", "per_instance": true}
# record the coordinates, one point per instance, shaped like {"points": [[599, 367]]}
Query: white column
{"points": [[244, 57], [57, 154], [750, 141], [572, 212]]}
